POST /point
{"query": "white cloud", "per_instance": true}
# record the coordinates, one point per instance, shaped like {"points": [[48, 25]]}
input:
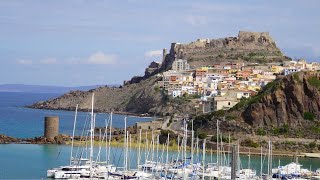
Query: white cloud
{"points": [[196, 20], [48, 61], [24, 61], [101, 58], [155, 53]]}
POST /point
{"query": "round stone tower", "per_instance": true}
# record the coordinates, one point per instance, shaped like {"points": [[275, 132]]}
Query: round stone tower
{"points": [[51, 126]]}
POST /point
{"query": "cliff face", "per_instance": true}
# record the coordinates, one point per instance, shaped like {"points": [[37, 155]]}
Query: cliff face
{"points": [[290, 100]]}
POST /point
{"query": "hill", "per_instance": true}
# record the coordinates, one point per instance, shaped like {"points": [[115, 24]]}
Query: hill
{"points": [[255, 47], [140, 98], [42, 89]]}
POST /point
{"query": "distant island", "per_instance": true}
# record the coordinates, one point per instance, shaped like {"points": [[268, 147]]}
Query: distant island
{"points": [[44, 89]]}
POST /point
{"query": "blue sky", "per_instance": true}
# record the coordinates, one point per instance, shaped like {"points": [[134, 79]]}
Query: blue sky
{"points": [[85, 42]]}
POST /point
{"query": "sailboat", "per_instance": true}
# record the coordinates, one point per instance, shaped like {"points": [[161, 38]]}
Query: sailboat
{"points": [[82, 167]]}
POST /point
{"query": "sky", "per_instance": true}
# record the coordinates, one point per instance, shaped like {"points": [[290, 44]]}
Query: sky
{"points": [[87, 42]]}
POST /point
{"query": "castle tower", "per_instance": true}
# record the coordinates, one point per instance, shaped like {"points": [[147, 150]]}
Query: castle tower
{"points": [[164, 53]]}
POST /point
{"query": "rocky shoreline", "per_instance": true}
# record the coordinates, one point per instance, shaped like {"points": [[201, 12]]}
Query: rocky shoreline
{"points": [[118, 133], [146, 115]]}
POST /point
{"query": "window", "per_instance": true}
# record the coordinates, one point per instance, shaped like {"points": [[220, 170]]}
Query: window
{"points": [[229, 103]]}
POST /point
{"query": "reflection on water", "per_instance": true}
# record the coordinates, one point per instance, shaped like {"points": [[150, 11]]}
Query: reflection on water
{"points": [[32, 161]]}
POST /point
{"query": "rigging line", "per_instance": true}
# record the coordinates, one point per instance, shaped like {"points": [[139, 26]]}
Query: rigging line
{"points": [[120, 157], [82, 134]]}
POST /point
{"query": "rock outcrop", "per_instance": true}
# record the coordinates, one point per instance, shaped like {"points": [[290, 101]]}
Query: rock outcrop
{"points": [[287, 107], [247, 46], [287, 100]]}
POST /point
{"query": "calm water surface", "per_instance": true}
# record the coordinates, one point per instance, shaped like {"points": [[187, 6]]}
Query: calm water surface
{"points": [[18, 121]]}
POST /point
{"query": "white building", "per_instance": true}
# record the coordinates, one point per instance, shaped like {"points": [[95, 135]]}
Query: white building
{"points": [[288, 71], [180, 65], [176, 93]]}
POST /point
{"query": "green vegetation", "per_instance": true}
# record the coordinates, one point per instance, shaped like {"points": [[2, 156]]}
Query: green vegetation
{"points": [[219, 113], [249, 143], [312, 145], [308, 116], [315, 129], [261, 132], [289, 143], [296, 77], [202, 135], [230, 117], [203, 119], [191, 96], [245, 102], [284, 129], [165, 96], [157, 88], [224, 139], [259, 57], [314, 81], [200, 121]]}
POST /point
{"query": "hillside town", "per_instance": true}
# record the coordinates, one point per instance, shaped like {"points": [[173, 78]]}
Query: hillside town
{"points": [[222, 85]]}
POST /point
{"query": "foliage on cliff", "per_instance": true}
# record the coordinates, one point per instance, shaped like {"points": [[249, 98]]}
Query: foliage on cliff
{"points": [[288, 106]]}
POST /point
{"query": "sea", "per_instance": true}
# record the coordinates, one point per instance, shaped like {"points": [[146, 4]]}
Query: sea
{"points": [[31, 161]]}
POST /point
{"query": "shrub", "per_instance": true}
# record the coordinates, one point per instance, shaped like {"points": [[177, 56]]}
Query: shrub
{"points": [[308, 116], [249, 143], [284, 129], [224, 139], [219, 113], [315, 129], [290, 143], [157, 88], [261, 132], [296, 77], [202, 135], [312, 145], [230, 117], [314, 81]]}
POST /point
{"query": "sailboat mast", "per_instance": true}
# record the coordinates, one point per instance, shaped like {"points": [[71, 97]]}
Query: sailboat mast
{"points": [[168, 140], [203, 157], [217, 143], [192, 142], [261, 163], [185, 149], [110, 138], [74, 127], [91, 132], [139, 155], [125, 146], [269, 158]]}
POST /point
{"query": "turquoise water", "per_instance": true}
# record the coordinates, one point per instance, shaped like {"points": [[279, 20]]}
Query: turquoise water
{"points": [[18, 121], [22, 161]]}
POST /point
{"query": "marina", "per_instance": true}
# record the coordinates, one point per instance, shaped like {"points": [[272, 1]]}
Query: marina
{"points": [[191, 164]]}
